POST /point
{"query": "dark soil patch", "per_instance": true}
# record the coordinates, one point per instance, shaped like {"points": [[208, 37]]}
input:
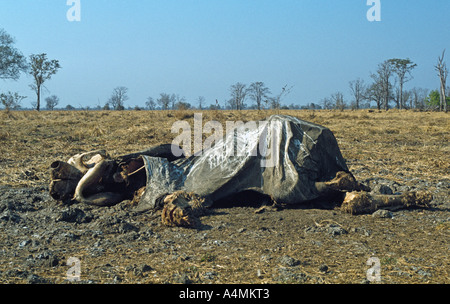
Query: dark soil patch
{"points": [[233, 245]]}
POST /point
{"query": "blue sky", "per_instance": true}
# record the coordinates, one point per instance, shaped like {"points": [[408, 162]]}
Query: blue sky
{"points": [[200, 48]]}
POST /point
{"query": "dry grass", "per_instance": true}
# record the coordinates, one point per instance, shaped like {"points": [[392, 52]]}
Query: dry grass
{"points": [[393, 143], [396, 145]]}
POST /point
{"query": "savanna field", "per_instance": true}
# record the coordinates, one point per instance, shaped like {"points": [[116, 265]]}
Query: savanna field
{"points": [[394, 144], [402, 150]]}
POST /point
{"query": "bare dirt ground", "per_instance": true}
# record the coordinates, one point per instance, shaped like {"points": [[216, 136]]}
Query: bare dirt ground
{"points": [[394, 151]]}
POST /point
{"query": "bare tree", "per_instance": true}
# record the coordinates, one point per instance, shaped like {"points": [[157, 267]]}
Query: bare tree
{"points": [[403, 68], [201, 101], [326, 103], [173, 101], [177, 100], [442, 70], [118, 97], [164, 101], [42, 70], [52, 102], [359, 92], [150, 103], [407, 99], [418, 97], [258, 92], [376, 94], [382, 79], [11, 101], [375, 91], [338, 100], [238, 94], [276, 101]]}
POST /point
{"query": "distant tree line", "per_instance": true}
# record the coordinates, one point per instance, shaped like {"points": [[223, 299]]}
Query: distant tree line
{"points": [[386, 89], [239, 94]]}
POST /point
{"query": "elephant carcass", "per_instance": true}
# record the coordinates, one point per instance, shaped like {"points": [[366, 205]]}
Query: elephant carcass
{"points": [[282, 157], [286, 159]]}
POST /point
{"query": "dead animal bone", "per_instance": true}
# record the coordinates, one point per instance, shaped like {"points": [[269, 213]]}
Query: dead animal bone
{"points": [[87, 160], [182, 209], [364, 202], [359, 200], [344, 181]]}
